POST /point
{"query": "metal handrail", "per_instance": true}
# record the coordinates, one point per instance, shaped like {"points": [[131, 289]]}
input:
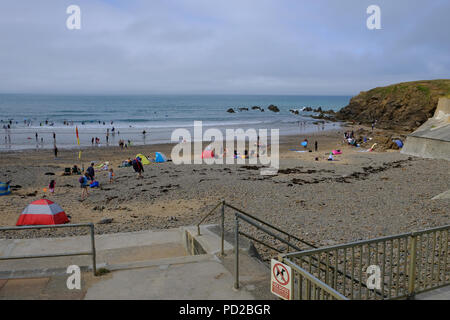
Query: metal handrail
{"points": [[225, 204], [316, 283], [320, 264], [408, 263], [362, 242], [80, 253], [269, 225], [207, 215]]}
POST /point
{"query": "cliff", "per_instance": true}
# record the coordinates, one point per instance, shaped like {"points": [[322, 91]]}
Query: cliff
{"points": [[403, 106]]}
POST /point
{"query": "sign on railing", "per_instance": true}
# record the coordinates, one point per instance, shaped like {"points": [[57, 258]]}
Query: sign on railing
{"points": [[281, 280]]}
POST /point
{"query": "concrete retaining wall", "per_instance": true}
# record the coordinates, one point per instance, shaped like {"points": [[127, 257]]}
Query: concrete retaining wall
{"points": [[427, 148]]}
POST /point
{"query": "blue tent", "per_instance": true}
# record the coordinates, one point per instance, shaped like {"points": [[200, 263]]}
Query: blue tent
{"points": [[399, 143], [160, 157], [4, 188]]}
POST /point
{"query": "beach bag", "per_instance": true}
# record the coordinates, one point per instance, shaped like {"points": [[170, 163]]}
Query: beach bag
{"points": [[94, 184], [5, 189]]}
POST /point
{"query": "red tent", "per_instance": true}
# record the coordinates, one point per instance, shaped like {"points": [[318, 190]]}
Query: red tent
{"points": [[42, 212], [208, 154]]}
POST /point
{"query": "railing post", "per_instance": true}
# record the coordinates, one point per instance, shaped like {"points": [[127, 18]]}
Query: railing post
{"points": [[222, 251], [94, 263], [412, 267], [236, 251]]}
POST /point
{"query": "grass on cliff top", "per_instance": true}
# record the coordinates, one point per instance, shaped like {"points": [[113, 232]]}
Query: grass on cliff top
{"points": [[428, 88]]}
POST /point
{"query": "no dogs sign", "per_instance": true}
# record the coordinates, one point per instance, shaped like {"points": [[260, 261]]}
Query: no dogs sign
{"points": [[281, 280]]}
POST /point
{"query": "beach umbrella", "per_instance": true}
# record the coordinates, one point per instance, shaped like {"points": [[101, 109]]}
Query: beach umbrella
{"points": [[42, 212]]}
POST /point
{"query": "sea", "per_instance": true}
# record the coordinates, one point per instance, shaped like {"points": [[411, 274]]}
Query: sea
{"points": [[126, 117]]}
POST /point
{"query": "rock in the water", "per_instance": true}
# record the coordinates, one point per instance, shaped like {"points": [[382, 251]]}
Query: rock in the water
{"points": [[230, 110], [273, 108]]}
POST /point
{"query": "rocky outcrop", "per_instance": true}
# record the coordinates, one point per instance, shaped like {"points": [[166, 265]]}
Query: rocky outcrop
{"points": [[273, 108], [231, 110], [403, 106]]}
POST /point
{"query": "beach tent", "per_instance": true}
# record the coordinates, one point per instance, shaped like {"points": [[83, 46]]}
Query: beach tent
{"points": [[144, 159], [208, 154], [160, 157], [335, 152], [4, 188], [42, 212]]}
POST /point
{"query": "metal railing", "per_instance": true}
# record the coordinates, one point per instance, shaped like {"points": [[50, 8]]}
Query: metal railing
{"points": [[405, 265], [291, 241], [258, 223], [81, 253], [308, 287]]}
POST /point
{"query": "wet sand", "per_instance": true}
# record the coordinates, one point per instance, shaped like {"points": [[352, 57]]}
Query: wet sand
{"points": [[361, 195]]}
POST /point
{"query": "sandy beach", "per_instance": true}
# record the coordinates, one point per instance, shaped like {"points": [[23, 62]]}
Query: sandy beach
{"points": [[361, 195]]}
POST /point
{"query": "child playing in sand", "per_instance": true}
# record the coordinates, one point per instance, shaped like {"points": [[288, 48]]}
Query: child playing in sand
{"points": [[111, 175], [51, 186], [84, 185]]}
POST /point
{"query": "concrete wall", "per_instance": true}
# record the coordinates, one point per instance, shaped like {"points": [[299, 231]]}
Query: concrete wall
{"points": [[427, 148]]}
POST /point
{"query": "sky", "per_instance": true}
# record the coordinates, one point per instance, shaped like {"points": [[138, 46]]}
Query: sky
{"points": [[303, 47]]}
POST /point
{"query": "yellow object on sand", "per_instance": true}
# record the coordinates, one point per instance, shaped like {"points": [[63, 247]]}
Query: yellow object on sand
{"points": [[144, 159]]}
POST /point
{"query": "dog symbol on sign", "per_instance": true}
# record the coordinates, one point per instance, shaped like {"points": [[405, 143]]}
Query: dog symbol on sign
{"points": [[281, 274]]}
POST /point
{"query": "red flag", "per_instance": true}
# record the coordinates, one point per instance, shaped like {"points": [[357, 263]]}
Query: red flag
{"points": [[78, 138]]}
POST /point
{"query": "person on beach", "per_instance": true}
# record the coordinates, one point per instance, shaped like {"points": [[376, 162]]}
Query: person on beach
{"points": [[84, 186], [55, 150], [138, 167], [92, 141], [51, 186], [315, 146], [91, 172], [111, 175]]}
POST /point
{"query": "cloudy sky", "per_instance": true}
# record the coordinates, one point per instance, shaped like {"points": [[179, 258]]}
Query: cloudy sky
{"points": [[220, 46]]}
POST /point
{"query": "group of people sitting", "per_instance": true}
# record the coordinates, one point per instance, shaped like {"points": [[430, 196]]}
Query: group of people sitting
{"points": [[349, 138]]}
